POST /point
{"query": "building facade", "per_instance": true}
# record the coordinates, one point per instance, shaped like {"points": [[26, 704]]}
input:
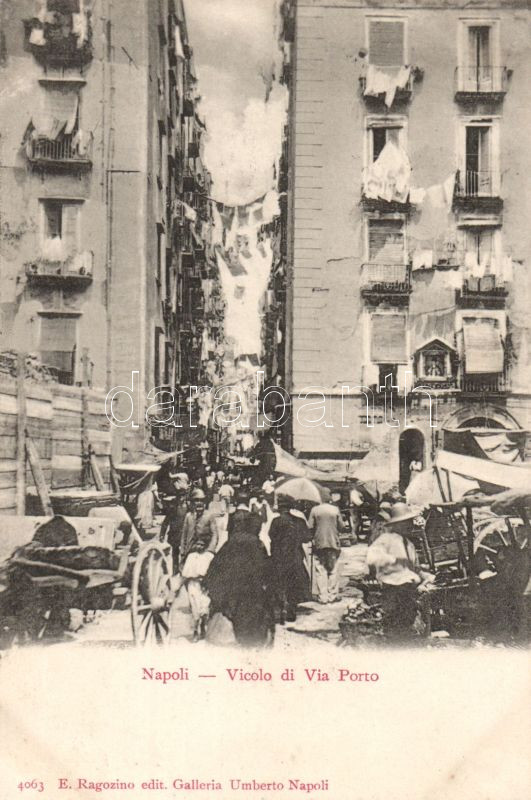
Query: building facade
{"points": [[408, 241], [104, 229]]}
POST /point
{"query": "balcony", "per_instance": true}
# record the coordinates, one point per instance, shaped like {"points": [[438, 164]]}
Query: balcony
{"points": [[74, 272], [477, 190], [65, 153], [496, 383], [56, 44], [402, 92], [480, 83], [385, 283], [482, 293]]}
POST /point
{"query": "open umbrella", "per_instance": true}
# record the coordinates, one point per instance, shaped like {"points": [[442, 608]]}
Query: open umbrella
{"points": [[301, 489]]}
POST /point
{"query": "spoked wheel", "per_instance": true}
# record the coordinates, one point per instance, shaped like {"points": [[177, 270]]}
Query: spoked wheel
{"points": [[151, 595]]}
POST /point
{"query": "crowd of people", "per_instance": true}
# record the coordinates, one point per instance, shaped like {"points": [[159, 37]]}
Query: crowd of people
{"points": [[248, 555], [240, 550]]}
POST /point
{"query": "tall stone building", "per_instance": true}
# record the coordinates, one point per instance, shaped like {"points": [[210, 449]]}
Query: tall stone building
{"points": [[104, 196], [408, 237]]}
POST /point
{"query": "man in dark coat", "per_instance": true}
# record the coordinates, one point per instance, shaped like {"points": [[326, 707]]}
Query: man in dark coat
{"points": [[288, 532], [238, 582], [173, 523], [242, 520]]}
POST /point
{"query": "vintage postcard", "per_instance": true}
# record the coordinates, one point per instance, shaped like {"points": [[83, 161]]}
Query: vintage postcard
{"points": [[265, 399]]}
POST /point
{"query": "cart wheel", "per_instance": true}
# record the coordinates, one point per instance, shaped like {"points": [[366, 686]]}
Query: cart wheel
{"points": [[151, 595]]}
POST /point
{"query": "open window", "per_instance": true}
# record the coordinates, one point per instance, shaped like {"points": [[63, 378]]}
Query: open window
{"points": [[60, 228], [479, 158], [58, 339], [380, 131]]}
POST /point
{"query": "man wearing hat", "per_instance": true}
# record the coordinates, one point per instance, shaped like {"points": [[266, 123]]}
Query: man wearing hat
{"points": [[395, 562], [326, 524], [200, 530]]}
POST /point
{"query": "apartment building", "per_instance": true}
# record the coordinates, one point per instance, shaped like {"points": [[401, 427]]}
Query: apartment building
{"points": [[408, 241], [104, 212]]}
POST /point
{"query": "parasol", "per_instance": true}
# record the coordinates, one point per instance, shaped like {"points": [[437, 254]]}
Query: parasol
{"points": [[301, 489]]}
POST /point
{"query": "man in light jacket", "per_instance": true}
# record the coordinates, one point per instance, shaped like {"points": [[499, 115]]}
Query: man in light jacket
{"points": [[326, 523], [394, 559]]}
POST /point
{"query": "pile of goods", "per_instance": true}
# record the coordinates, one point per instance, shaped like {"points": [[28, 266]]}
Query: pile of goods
{"points": [[362, 622], [71, 557]]}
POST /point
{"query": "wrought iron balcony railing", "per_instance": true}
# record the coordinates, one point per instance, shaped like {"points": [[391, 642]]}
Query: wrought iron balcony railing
{"points": [[72, 272], [477, 183], [60, 153], [386, 278], [476, 80], [475, 188], [484, 384]]}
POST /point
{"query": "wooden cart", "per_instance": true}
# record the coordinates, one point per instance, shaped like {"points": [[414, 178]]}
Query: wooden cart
{"points": [[36, 595]]}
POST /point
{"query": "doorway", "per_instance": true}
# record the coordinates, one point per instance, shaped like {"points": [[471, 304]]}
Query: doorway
{"points": [[410, 455]]}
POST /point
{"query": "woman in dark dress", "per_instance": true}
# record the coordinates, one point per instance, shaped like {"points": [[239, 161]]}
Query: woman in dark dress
{"points": [[288, 532], [238, 582]]}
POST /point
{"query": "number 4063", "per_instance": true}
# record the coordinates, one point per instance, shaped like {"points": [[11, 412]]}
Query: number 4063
{"points": [[37, 786]]}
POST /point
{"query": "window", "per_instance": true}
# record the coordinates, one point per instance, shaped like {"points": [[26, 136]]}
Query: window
{"points": [[387, 42], [60, 228], [479, 56], [479, 158], [381, 130], [482, 345], [388, 339], [481, 247], [386, 241], [58, 344], [61, 110]]}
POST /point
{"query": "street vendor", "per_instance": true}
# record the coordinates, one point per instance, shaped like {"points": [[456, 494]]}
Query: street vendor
{"points": [[394, 559]]}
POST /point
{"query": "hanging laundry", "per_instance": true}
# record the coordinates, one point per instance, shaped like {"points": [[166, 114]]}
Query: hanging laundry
{"points": [[416, 196], [37, 37], [507, 270], [189, 212], [448, 189], [258, 213], [402, 79], [422, 259], [227, 216], [388, 177], [178, 42], [436, 196], [378, 83], [271, 206]]}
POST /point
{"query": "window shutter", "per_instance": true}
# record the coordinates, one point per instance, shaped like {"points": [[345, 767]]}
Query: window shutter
{"points": [[388, 340], [61, 109], [70, 220], [483, 346], [386, 43], [386, 241], [58, 339]]}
